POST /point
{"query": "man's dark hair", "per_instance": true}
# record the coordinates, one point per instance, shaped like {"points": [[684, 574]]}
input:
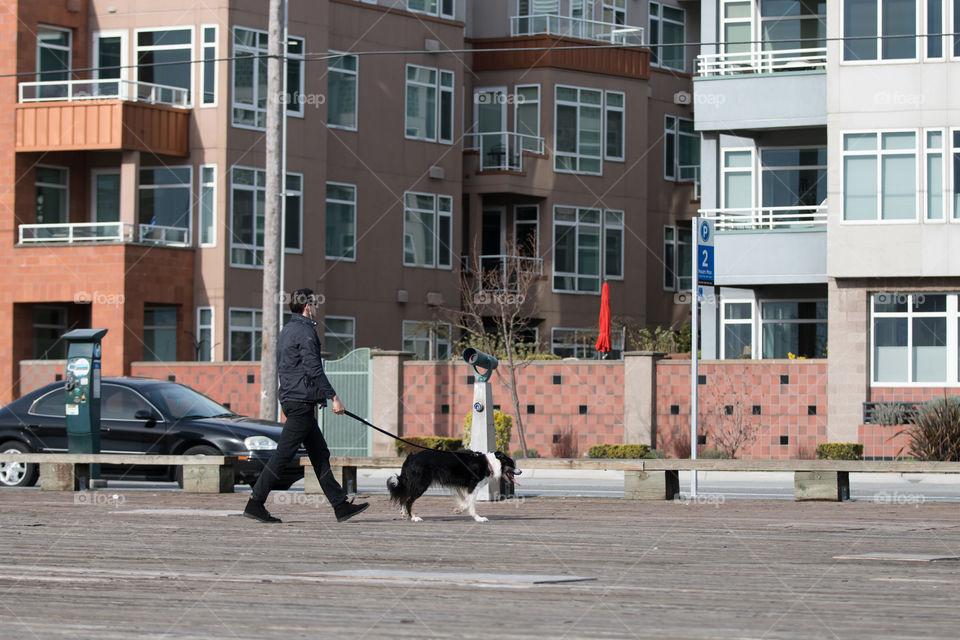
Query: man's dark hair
{"points": [[299, 300]]}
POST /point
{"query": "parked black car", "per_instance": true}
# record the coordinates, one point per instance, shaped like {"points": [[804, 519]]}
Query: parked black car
{"points": [[140, 415]]}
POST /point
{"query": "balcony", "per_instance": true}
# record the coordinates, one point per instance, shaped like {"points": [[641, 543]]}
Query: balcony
{"points": [[87, 233], [110, 114], [502, 150], [500, 272], [761, 89], [582, 28], [770, 245]]}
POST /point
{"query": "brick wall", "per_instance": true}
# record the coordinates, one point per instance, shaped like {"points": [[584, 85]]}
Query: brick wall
{"points": [[233, 384], [39, 373]]}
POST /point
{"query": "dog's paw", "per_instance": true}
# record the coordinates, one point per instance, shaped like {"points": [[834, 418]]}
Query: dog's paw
{"points": [[479, 518], [416, 519]]}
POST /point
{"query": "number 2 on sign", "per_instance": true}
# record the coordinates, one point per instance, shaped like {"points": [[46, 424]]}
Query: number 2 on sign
{"points": [[704, 262]]}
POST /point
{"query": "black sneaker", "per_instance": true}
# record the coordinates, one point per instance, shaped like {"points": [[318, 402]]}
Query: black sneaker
{"points": [[346, 510], [257, 511]]}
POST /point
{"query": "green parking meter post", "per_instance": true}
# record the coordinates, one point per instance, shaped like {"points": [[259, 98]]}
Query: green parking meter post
{"points": [[482, 434], [82, 385]]}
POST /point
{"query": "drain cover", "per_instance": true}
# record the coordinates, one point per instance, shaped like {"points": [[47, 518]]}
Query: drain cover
{"points": [[897, 557], [444, 576]]}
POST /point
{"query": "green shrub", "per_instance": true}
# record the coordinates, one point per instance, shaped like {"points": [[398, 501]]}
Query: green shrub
{"points": [[629, 451], [502, 427], [840, 451], [655, 454], [935, 433], [714, 454], [531, 453], [431, 442]]}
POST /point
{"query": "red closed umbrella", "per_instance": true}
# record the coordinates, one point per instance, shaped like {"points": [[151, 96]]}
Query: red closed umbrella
{"points": [[603, 340]]}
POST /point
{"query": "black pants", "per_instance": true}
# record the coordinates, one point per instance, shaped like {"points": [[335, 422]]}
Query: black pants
{"points": [[300, 428]]}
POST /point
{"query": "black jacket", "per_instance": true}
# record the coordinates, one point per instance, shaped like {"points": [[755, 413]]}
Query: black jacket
{"points": [[298, 364]]}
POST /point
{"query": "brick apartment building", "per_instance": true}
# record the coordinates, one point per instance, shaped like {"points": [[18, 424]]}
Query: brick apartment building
{"points": [[131, 169]]}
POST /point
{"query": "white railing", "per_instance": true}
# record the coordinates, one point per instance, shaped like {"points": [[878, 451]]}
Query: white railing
{"points": [[730, 64], [103, 89], [576, 28], [502, 150], [76, 233], [503, 270], [801, 217], [166, 236]]}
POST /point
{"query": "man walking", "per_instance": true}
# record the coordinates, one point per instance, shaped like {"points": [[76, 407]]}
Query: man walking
{"points": [[303, 386]]}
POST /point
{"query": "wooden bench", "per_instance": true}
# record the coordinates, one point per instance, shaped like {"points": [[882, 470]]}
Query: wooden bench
{"points": [[659, 479], [70, 471]]}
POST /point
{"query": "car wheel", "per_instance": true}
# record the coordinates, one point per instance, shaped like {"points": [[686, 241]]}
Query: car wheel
{"points": [[198, 450], [17, 474]]}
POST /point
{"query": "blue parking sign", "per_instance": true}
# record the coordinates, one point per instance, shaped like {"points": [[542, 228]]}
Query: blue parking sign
{"points": [[705, 266]]}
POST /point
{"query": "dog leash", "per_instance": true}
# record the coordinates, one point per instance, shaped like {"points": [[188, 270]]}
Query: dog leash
{"points": [[385, 432]]}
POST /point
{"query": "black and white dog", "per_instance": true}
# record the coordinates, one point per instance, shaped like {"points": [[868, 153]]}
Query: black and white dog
{"points": [[464, 471]]}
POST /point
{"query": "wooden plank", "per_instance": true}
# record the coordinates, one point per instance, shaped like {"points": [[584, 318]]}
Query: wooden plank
{"points": [[115, 458]]}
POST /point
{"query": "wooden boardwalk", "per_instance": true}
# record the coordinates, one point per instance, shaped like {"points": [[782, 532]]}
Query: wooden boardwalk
{"points": [[130, 564]]}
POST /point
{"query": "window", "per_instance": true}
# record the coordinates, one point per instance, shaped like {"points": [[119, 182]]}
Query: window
{"points": [[250, 77], [165, 195], [677, 258], [105, 195], [245, 334], [53, 59], [615, 123], [579, 123], [427, 230], [338, 335], [53, 194], [341, 221], [955, 137], [51, 404], [204, 339], [109, 57], [342, 92], [737, 189], [248, 193], [894, 20], [208, 70], [578, 250], [935, 170], [681, 149], [208, 205], [164, 57], [737, 334], [914, 338], [614, 11], [793, 327], [120, 403], [581, 343], [535, 16], [527, 116], [880, 176], [792, 177], [441, 8], [526, 230], [666, 36], [49, 323], [427, 340], [429, 104], [781, 25], [160, 334]]}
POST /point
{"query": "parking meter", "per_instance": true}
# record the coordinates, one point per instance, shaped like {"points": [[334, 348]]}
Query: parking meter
{"points": [[82, 386], [482, 432]]}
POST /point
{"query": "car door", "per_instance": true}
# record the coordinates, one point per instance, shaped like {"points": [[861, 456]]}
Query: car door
{"points": [[47, 421], [120, 430]]}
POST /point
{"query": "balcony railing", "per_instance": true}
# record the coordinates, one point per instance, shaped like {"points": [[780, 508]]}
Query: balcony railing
{"points": [[76, 233], [103, 89], [812, 218], [500, 272], [165, 236], [576, 28], [502, 150], [748, 62]]}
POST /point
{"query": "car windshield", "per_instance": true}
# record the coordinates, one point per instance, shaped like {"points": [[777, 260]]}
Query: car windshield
{"points": [[178, 401]]}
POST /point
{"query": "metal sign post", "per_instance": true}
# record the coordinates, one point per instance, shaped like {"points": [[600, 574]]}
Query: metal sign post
{"points": [[703, 270]]}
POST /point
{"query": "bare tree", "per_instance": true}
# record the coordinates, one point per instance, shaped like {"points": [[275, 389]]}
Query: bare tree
{"points": [[497, 300], [727, 416]]}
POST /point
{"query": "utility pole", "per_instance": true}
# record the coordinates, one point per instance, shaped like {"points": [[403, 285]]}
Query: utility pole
{"points": [[272, 242]]}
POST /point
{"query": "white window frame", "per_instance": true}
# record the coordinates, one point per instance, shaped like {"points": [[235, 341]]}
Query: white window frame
{"points": [[438, 11], [284, 210], [210, 327], [437, 214], [578, 156], [952, 315], [215, 45], [192, 90], [255, 52], [94, 174], [123, 34], [951, 191], [601, 227], [672, 135], [945, 176], [353, 330], [440, 88], [621, 226], [200, 222], [918, 140], [659, 20], [536, 224], [141, 186], [356, 88], [675, 267], [724, 170], [68, 49], [724, 302], [433, 341], [252, 330], [623, 124], [615, 8], [760, 320], [65, 188], [154, 327], [919, 43], [517, 101], [353, 203], [254, 188]]}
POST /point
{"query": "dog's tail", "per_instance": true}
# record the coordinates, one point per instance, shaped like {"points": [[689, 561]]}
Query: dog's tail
{"points": [[397, 489]]}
